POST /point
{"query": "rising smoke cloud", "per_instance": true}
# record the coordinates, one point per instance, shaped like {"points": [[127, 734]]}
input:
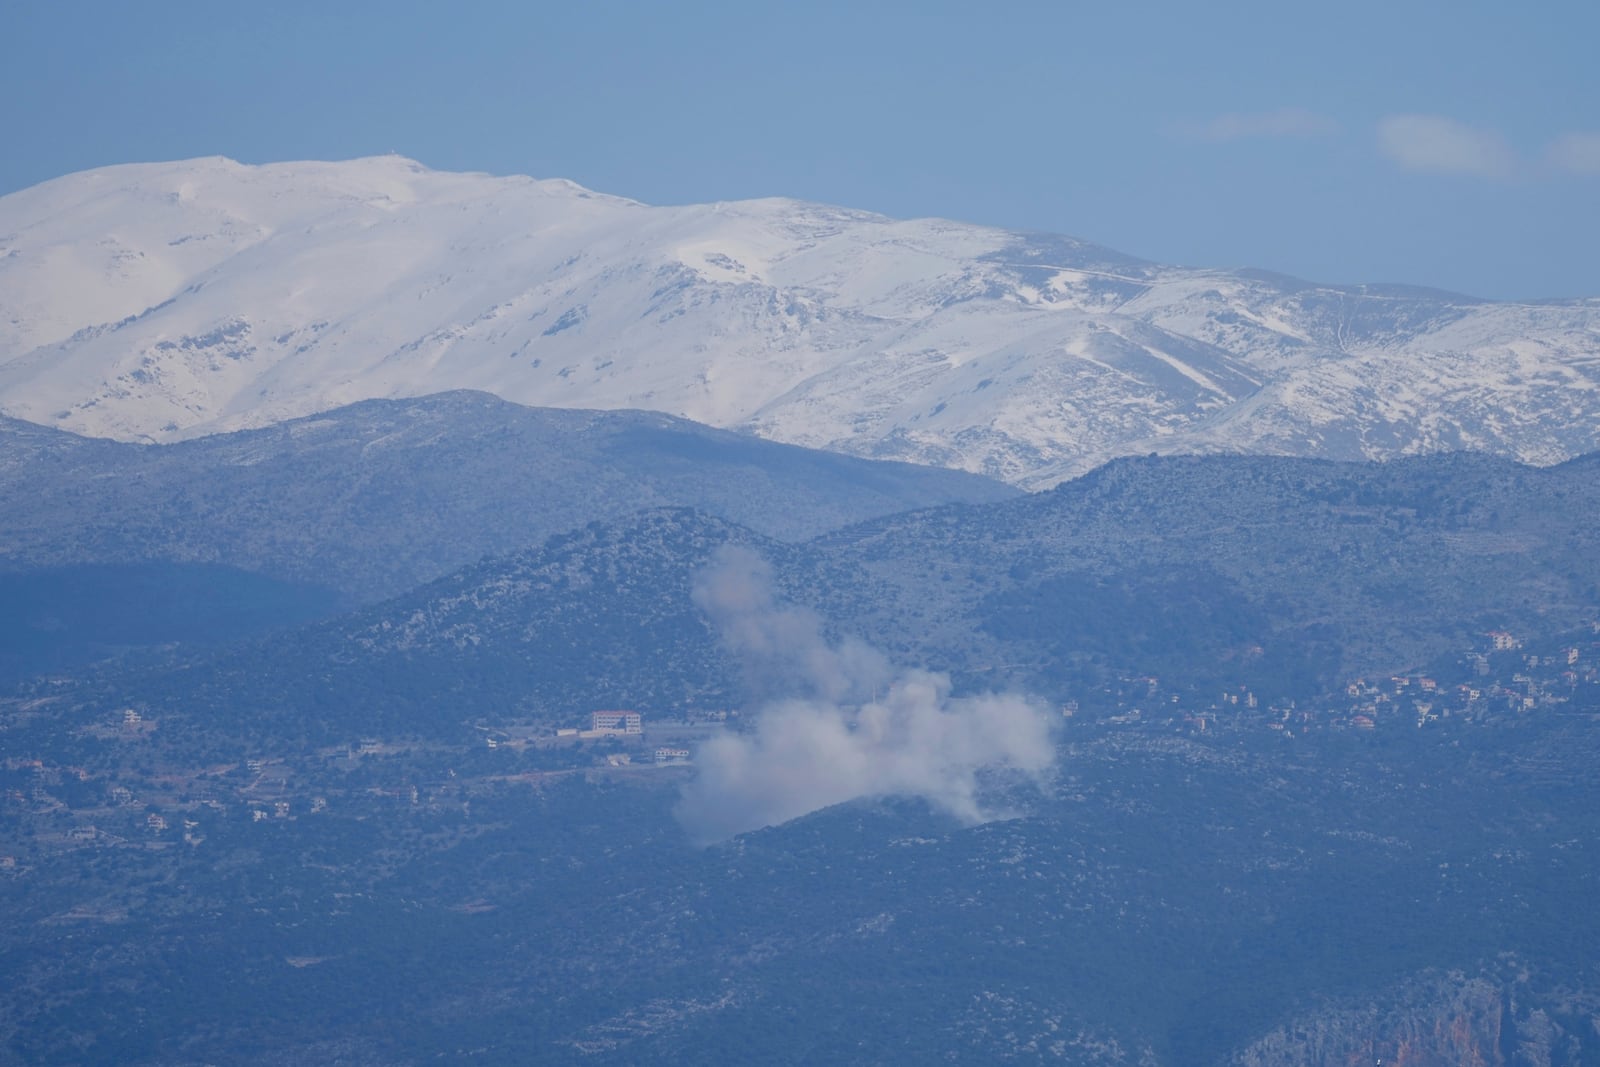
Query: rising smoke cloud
{"points": [[827, 736]]}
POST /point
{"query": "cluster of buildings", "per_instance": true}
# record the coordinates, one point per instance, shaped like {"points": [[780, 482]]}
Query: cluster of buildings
{"points": [[1501, 675], [164, 804], [628, 725], [1494, 684]]}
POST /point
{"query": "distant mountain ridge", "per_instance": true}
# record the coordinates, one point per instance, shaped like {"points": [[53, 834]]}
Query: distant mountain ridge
{"points": [[377, 497], [169, 300]]}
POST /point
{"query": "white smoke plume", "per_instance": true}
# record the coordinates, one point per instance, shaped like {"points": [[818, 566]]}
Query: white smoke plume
{"points": [[848, 726]]}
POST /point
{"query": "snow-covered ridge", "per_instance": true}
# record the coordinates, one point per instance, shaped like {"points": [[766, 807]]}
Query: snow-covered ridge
{"points": [[157, 301]]}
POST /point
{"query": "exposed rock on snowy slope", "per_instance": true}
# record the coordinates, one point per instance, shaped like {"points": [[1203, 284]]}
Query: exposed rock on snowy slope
{"points": [[163, 301]]}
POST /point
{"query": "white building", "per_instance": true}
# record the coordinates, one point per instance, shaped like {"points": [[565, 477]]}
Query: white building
{"points": [[617, 722]]}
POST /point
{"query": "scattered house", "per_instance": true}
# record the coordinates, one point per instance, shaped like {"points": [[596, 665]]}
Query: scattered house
{"points": [[1503, 641], [369, 746], [130, 717], [672, 755], [280, 809], [155, 822], [319, 804], [253, 766], [258, 815]]}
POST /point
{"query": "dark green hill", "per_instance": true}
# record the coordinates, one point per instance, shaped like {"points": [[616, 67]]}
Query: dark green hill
{"points": [[1298, 570], [57, 619], [380, 496], [600, 617]]}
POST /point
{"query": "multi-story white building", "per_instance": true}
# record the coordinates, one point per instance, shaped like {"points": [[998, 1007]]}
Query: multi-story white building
{"points": [[619, 722]]}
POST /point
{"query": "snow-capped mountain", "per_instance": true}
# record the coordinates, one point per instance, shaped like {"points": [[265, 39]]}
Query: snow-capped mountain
{"points": [[169, 300]]}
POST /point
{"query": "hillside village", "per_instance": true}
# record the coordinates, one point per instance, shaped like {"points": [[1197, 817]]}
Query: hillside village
{"points": [[121, 792], [1495, 679]]}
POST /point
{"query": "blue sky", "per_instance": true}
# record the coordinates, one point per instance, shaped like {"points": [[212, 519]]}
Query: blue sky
{"points": [[1454, 145]]}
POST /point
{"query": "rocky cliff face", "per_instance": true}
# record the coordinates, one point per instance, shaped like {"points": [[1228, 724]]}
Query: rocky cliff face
{"points": [[1440, 1020]]}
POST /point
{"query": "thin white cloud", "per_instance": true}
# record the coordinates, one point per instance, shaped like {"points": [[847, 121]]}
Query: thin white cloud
{"points": [[1284, 122], [1575, 153], [1434, 144], [1444, 146]]}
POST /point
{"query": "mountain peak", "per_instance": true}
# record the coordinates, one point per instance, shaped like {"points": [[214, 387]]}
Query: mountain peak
{"points": [[160, 301]]}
